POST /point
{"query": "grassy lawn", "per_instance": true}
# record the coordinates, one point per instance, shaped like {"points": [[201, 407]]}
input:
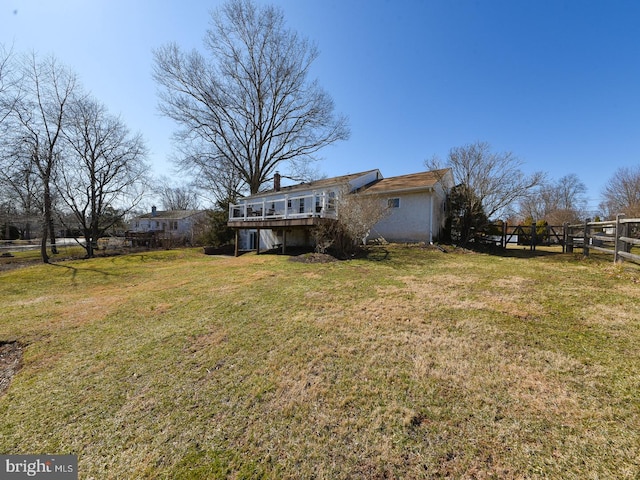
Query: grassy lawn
{"points": [[411, 364]]}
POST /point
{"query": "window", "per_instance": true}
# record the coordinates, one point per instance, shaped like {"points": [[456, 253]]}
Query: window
{"points": [[393, 203], [301, 209], [331, 203]]}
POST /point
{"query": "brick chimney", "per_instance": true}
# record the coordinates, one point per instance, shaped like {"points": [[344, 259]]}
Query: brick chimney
{"points": [[276, 182]]}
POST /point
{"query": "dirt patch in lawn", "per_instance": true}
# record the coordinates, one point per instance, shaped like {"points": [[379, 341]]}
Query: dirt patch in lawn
{"points": [[313, 258], [10, 363]]}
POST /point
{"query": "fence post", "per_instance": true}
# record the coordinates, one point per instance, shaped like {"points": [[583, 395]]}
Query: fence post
{"points": [[532, 247], [565, 237], [617, 244], [504, 234], [585, 245]]}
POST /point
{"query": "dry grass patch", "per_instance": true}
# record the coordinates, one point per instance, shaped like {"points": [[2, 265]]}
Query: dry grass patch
{"points": [[421, 365]]}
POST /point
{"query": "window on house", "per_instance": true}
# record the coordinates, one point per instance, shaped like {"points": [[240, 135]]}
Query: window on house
{"points": [[393, 203], [331, 203], [301, 208], [174, 225]]}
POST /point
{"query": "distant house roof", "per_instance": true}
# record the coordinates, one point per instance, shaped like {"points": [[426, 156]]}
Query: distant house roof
{"points": [[169, 214], [405, 183]]}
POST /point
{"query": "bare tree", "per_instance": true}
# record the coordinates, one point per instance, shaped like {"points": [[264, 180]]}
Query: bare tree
{"points": [[37, 118], [104, 170], [22, 191], [8, 82], [250, 104], [556, 202], [7, 98], [177, 197], [357, 214], [621, 193], [493, 182]]}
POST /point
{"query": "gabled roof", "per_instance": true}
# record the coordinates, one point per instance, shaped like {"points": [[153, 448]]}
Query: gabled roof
{"points": [[169, 214], [316, 184], [406, 183]]}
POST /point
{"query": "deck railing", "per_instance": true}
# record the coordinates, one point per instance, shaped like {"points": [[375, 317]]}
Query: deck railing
{"points": [[316, 204]]}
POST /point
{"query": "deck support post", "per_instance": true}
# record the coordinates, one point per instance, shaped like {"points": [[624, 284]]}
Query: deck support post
{"points": [[236, 250]]}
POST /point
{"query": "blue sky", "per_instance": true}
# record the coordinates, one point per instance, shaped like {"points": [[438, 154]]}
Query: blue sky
{"points": [[556, 82]]}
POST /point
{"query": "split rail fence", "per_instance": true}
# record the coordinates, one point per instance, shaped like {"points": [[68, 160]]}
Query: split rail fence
{"points": [[619, 238]]}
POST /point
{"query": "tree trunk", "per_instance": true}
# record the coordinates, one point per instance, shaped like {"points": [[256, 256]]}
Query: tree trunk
{"points": [[52, 234], [48, 228], [43, 243]]}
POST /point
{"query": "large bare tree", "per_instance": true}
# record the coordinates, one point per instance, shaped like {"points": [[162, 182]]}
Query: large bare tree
{"points": [[489, 183], [34, 138], [621, 193], [104, 170], [248, 106]]}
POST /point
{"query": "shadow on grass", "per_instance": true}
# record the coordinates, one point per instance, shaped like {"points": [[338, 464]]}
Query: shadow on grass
{"points": [[75, 271], [524, 252], [377, 254], [520, 251]]}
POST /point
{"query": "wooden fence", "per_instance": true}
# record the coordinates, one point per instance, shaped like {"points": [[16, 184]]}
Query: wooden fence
{"points": [[619, 238], [616, 237], [501, 234]]}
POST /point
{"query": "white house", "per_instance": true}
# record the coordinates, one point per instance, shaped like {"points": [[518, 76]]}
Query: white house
{"points": [[285, 216], [168, 225]]}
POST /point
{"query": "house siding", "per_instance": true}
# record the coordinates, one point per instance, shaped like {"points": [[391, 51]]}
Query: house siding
{"points": [[411, 221]]}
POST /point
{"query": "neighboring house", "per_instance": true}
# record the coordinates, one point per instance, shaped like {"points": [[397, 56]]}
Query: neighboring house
{"points": [[285, 216], [175, 226]]}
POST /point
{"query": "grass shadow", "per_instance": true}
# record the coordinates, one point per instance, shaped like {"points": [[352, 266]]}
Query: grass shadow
{"points": [[76, 270], [524, 252], [378, 254]]}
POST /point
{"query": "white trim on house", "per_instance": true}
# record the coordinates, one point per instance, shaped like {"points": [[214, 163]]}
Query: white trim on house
{"points": [[304, 200]]}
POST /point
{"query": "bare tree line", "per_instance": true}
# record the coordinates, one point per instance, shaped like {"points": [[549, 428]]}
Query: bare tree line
{"points": [[63, 155], [491, 186]]}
